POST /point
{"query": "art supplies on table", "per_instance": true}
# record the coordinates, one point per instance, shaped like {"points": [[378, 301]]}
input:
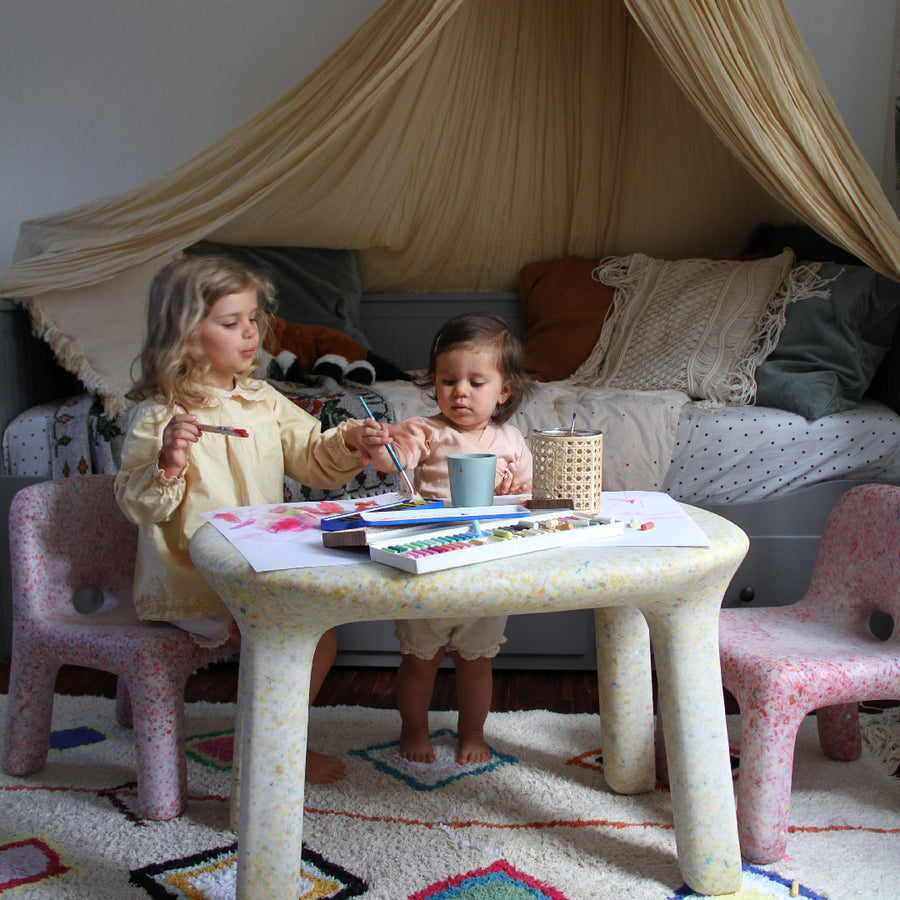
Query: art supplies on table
{"points": [[569, 464], [346, 520], [432, 550], [276, 536], [448, 514], [359, 539], [288, 535], [363, 533]]}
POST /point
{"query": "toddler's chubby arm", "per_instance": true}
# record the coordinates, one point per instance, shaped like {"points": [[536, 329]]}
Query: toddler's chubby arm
{"points": [[515, 476], [509, 484]]}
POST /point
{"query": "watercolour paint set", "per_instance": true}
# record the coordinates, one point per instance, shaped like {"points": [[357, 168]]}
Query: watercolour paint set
{"points": [[436, 549]]}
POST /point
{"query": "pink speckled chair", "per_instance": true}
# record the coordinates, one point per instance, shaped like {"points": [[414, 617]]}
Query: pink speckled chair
{"points": [[820, 654], [68, 536]]}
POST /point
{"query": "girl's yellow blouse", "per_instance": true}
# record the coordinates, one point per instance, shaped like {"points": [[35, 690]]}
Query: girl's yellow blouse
{"points": [[222, 472]]}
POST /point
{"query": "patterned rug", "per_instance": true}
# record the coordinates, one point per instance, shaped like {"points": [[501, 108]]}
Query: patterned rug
{"points": [[534, 823]]}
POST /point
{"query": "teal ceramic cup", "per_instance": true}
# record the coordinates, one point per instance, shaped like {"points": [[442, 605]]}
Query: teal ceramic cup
{"points": [[472, 477]]}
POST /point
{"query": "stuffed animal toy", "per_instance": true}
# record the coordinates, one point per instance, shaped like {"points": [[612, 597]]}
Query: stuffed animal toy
{"points": [[296, 350]]}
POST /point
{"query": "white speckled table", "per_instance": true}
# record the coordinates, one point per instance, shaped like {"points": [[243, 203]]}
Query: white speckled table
{"points": [[677, 592]]}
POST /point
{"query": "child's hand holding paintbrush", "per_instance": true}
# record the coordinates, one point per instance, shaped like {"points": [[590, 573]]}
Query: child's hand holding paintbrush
{"points": [[377, 440], [180, 433]]}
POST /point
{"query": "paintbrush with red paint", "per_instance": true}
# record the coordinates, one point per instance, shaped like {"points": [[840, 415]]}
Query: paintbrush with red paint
{"points": [[227, 430]]}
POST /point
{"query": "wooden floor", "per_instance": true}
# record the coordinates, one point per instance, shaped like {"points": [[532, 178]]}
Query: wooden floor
{"points": [[565, 692]]}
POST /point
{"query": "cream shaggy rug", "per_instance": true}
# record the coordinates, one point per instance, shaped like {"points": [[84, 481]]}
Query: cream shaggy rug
{"points": [[536, 823]]}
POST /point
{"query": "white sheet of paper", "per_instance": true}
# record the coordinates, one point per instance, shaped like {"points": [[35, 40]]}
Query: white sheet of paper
{"points": [[288, 535], [672, 526]]}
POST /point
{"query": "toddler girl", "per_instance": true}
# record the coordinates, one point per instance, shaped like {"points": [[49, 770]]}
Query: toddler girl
{"points": [[206, 320], [476, 372]]}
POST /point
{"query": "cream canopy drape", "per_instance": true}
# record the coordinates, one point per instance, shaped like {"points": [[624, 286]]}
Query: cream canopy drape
{"points": [[452, 141]]}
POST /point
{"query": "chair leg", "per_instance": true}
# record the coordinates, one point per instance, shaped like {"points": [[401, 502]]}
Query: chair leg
{"points": [[29, 711], [124, 714], [839, 734], [764, 781], [158, 715]]}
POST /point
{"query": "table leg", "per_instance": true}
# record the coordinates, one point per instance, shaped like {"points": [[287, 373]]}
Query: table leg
{"points": [[625, 687], [235, 796], [685, 642], [273, 724]]}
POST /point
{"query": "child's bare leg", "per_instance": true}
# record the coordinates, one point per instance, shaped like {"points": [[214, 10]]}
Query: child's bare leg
{"points": [[474, 687], [322, 769], [415, 685]]}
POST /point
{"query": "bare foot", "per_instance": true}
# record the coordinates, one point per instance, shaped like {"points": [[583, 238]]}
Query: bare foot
{"points": [[472, 748], [322, 769], [415, 746]]}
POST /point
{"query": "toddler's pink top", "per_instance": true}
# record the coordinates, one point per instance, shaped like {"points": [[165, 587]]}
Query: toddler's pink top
{"points": [[426, 443]]}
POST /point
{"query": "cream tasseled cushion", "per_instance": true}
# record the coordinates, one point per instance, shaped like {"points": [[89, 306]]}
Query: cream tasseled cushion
{"points": [[701, 326]]}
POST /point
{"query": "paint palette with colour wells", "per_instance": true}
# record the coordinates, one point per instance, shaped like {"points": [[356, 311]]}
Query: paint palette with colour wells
{"points": [[432, 550]]}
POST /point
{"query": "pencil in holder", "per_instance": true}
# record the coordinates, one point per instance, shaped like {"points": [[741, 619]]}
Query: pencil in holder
{"points": [[568, 465]]}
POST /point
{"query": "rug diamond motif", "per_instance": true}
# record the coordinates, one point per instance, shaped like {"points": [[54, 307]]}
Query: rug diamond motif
{"points": [[215, 749], [444, 770], [29, 861], [213, 874], [499, 881], [77, 737], [758, 884]]}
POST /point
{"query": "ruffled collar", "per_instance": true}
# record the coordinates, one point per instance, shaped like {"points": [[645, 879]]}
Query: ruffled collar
{"points": [[246, 389]]}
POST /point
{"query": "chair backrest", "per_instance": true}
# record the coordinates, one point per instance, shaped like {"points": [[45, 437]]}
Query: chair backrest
{"points": [[64, 536], [857, 568]]}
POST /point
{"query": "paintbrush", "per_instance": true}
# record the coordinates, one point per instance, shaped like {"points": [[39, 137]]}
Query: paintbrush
{"points": [[393, 455], [227, 430]]}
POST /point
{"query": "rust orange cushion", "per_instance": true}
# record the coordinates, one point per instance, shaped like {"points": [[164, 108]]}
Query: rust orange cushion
{"points": [[563, 309]]}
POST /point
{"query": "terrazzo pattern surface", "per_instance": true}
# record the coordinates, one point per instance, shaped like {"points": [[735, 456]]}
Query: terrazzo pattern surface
{"points": [[781, 663], [281, 615], [68, 535]]}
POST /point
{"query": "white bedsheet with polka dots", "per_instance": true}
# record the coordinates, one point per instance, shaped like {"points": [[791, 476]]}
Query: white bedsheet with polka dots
{"points": [[742, 454], [735, 454]]}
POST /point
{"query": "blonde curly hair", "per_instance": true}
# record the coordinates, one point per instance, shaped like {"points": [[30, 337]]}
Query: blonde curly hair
{"points": [[181, 295]]}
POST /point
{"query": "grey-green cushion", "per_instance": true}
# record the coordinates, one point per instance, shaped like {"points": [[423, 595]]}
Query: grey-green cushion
{"points": [[314, 286], [831, 347]]}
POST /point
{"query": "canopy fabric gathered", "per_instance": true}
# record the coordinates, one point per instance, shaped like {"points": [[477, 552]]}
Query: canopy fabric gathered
{"points": [[450, 142]]}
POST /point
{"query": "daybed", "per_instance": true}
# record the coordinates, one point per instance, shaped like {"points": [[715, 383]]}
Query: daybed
{"points": [[817, 344]]}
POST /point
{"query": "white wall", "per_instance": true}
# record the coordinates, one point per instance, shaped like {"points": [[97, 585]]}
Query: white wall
{"points": [[99, 96], [852, 43]]}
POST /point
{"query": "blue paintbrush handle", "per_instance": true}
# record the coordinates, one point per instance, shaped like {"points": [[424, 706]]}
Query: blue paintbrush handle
{"points": [[387, 447]]}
